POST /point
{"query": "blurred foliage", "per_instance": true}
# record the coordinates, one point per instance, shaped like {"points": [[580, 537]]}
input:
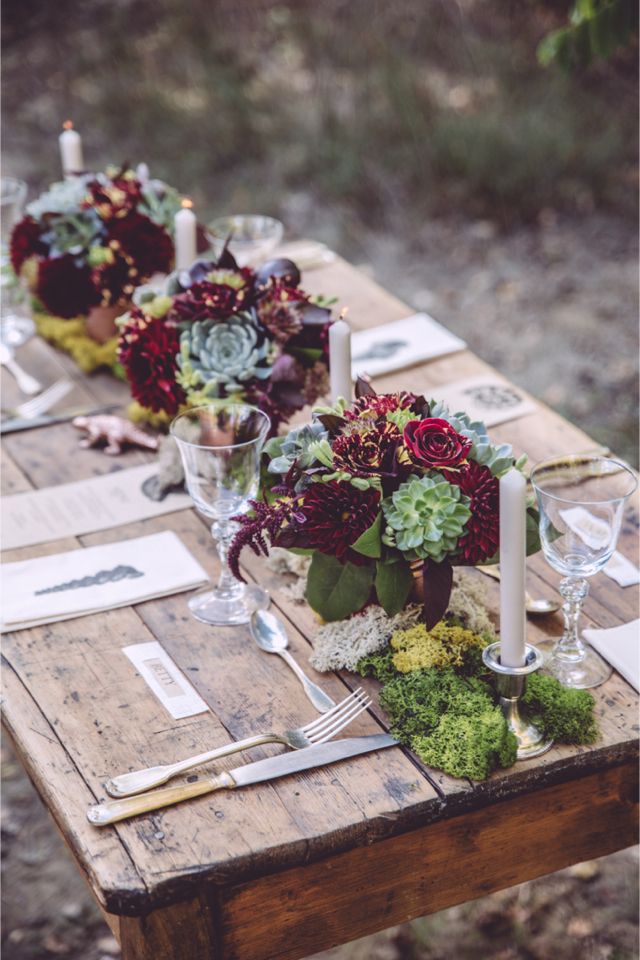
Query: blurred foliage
{"points": [[412, 108], [597, 28]]}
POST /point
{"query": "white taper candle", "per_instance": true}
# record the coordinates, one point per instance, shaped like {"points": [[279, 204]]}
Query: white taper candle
{"points": [[185, 223], [513, 550], [340, 360], [70, 150]]}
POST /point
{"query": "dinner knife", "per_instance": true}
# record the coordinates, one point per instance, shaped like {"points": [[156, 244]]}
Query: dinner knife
{"points": [[14, 424], [110, 811]]}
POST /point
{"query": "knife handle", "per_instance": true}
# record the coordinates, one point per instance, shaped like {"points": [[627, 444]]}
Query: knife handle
{"points": [[110, 811]]}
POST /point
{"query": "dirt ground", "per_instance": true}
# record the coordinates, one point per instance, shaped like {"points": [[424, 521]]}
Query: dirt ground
{"points": [[554, 306]]}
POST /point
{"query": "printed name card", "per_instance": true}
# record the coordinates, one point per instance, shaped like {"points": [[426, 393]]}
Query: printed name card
{"points": [[80, 582], [485, 398], [165, 680], [84, 506]]}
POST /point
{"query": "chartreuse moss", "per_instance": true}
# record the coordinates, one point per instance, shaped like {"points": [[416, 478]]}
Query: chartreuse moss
{"points": [[446, 644], [71, 336], [448, 712]]}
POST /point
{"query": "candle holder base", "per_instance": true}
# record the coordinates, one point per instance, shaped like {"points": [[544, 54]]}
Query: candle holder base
{"points": [[511, 685]]}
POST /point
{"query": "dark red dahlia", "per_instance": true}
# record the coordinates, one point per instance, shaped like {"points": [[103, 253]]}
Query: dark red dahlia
{"points": [[25, 242], [148, 245], [333, 515], [113, 200], [147, 350], [373, 406], [368, 452], [64, 288], [482, 531], [280, 310], [229, 292]]}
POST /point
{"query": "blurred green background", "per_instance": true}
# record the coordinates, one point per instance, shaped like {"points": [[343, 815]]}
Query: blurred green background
{"points": [[420, 138]]}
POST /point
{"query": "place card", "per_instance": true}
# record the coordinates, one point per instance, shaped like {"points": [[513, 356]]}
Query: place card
{"points": [[80, 582], [620, 646], [596, 533], [402, 343], [485, 398], [622, 570], [84, 506], [165, 680]]}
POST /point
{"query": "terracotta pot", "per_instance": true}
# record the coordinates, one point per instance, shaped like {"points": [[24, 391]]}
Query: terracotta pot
{"points": [[101, 322]]}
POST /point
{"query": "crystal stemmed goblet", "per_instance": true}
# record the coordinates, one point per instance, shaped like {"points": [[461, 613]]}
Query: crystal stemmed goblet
{"points": [[581, 501], [220, 445]]}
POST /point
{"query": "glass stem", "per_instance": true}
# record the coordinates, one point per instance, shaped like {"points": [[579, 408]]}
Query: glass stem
{"points": [[223, 532], [570, 646]]}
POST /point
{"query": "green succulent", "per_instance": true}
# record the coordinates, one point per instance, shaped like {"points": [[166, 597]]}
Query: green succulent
{"points": [[498, 459], [221, 355], [425, 518], [298, 445]]}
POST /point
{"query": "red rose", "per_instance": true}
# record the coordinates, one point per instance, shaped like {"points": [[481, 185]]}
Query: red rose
{"points": [[434, 444]]}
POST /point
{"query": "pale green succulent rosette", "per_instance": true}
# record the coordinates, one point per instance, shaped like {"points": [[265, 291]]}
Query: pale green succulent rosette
{"points": [[221, 355], [425, 518]]}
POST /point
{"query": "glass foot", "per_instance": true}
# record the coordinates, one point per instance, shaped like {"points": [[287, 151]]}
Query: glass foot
{"points": [[588, 671], [217, 607]]}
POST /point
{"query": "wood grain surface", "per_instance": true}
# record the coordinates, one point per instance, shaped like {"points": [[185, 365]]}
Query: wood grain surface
{"points": [[286, 868]]}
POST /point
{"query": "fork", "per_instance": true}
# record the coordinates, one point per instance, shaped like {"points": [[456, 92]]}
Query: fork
{"points": [[42, 402], [317, 731]]}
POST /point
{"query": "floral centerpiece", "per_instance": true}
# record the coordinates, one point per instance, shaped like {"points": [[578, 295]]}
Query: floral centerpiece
{"points": [[382, 493], [91, 239], [218, 330]]}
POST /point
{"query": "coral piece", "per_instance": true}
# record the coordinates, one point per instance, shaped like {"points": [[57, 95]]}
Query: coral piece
{"points": [[115, 431]]}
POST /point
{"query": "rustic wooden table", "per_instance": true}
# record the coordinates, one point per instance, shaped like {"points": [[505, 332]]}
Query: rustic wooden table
{"points": [[288, 868]]}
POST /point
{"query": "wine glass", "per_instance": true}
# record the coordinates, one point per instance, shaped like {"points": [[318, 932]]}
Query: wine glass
{"points": [[220, 445], [251, 237], [16, 324], [581, 500]]}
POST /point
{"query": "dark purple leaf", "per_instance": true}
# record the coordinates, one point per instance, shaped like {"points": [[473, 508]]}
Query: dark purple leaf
{"points": [[364, 388], [280, 269], [332, 423], [437, 580]]}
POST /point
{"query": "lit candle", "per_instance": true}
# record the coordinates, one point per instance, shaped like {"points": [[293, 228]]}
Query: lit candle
{"points": [[185, 236], [70, 150], [340, 359], [513, 507]]}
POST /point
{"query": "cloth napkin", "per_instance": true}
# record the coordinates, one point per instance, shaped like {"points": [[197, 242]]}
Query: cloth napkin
{"points": [[620, 646], [73, 584]]}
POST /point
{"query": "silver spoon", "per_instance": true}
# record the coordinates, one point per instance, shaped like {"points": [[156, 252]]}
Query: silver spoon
{"points": [[535, 608], [270, 635]]}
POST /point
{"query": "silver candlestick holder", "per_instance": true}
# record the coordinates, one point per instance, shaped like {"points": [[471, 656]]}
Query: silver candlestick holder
{"points": [[511, 685]]}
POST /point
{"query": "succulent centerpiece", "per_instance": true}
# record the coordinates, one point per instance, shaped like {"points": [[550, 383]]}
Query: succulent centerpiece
{"points": [[220, 331]]}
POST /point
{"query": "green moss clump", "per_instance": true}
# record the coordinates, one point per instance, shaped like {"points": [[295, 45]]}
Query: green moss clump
{"points": [[416, 702], [560, 713], [468, 746], [378, 665]]}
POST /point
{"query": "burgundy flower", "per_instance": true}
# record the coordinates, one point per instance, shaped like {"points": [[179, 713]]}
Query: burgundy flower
{"points": [[369, 452], [116, 199], [25, 242], [280, 310], [214, 299], [148, 245], [65, 289], [374, 406], [434, 444], [333, 515], [147, 350], [482, 531]]}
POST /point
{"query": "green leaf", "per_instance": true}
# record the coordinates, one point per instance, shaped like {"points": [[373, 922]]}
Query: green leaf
{"points": [[301, 551], [306, 355], [336, 590], [532, 531], [393, 583], [369, 543]]}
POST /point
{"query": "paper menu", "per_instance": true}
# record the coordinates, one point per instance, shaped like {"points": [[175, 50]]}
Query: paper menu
{"points": [[403, 343], [84, 506], [485, 398], [84, 581]]}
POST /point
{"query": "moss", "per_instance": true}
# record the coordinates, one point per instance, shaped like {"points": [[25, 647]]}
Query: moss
{"points": [[378, 665], [468, 746], [563, 714], [446, 644], [416, 702], [71, 336]]}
